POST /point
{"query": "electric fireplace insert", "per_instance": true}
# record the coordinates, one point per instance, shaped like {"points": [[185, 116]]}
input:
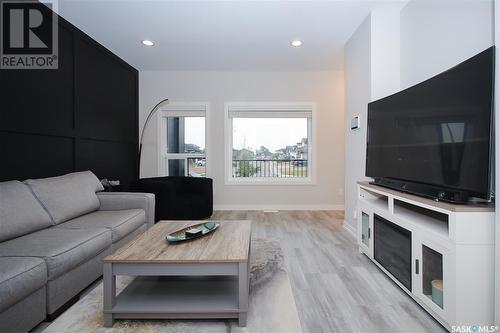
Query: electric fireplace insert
{"points": [[392, 249]]}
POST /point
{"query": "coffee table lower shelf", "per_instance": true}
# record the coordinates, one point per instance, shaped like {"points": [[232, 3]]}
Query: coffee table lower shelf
{"points": [[177, 291], [164, 297]]}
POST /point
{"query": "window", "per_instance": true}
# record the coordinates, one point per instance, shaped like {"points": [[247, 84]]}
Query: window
{"points": [[182, 143], [269, 143]]}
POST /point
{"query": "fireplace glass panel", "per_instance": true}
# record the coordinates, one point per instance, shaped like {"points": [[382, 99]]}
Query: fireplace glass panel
{"points": [[432, 275], [392, 249]]}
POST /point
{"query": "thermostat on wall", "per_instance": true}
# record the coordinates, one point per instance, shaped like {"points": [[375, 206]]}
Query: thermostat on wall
{"points": [[355, 123]]}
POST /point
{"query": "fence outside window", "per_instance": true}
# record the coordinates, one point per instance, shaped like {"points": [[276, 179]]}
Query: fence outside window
{"points": [[292, 168]]}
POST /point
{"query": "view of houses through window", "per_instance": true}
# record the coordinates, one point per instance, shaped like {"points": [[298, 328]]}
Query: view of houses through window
{"points": [[265, 144], [270, 147]]}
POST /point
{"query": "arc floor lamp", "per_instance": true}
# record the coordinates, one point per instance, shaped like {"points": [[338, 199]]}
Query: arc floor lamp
{"points": [[150, 115]]}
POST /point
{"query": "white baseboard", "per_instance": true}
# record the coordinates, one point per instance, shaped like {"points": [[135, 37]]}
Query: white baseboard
{"points": [[278, 207], [350, 229]]}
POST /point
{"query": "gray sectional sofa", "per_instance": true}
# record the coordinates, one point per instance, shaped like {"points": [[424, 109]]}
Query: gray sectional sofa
{"points": [[54, 233]]}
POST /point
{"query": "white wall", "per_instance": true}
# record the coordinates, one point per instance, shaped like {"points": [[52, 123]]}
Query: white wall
{"points": [[357, 95], [371, 72], [437, 35], [326, 89]]}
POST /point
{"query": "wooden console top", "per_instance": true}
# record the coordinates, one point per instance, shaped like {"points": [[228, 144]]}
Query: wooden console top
{"points": [[472, 207]]}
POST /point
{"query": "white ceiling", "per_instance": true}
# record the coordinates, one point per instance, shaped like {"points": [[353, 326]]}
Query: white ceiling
{"points": [[222, 35]]}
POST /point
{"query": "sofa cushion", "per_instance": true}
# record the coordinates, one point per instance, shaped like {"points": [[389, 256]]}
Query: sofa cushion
{"points": [[19, 277], [62, 249], [120, 222], [68, 196], [20, 211]]}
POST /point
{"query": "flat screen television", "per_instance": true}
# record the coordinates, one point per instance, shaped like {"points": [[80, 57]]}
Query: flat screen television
{"points": [[434, 139]]}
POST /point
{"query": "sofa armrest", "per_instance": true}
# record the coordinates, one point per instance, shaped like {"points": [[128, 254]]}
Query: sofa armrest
{"points": [[129, 200]]}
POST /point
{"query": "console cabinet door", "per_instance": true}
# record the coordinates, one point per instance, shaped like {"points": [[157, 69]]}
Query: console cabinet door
{"points": [[365, 231], [432, 285]]}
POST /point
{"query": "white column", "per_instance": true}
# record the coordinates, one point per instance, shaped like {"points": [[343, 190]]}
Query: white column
{"points": [[385, 51], [496, 34]]}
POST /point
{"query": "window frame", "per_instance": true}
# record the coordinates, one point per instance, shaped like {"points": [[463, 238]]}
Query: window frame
{"points": [[275, 108], [181, 109]]}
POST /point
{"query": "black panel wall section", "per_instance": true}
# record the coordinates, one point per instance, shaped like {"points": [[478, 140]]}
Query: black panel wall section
{"points": [[82, 116]]}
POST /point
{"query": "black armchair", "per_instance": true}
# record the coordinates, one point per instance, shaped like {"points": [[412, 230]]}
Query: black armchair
{"points": [[178, 198]]}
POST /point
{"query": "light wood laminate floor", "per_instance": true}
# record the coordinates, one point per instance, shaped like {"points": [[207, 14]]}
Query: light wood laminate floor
{"points": [[336, 288]]}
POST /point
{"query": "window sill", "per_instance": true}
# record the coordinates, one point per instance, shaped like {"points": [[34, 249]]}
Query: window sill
{"points": [[255, 181]]}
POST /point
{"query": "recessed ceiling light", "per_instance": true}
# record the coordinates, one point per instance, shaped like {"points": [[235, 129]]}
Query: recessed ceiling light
{"points": [[147, 42], [296, 43]]}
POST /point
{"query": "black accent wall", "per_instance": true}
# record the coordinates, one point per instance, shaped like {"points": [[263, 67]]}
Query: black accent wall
{"points": [[82, 116]]}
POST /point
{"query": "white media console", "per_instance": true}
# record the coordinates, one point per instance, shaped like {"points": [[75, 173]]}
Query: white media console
{"points": [[447, 265]]}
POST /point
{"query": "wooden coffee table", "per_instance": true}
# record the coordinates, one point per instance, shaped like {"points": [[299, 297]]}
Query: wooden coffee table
{"points": [[203, 278]]}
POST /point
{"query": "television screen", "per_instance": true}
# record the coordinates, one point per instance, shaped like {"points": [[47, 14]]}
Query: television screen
{"points": [[437, 132]]}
